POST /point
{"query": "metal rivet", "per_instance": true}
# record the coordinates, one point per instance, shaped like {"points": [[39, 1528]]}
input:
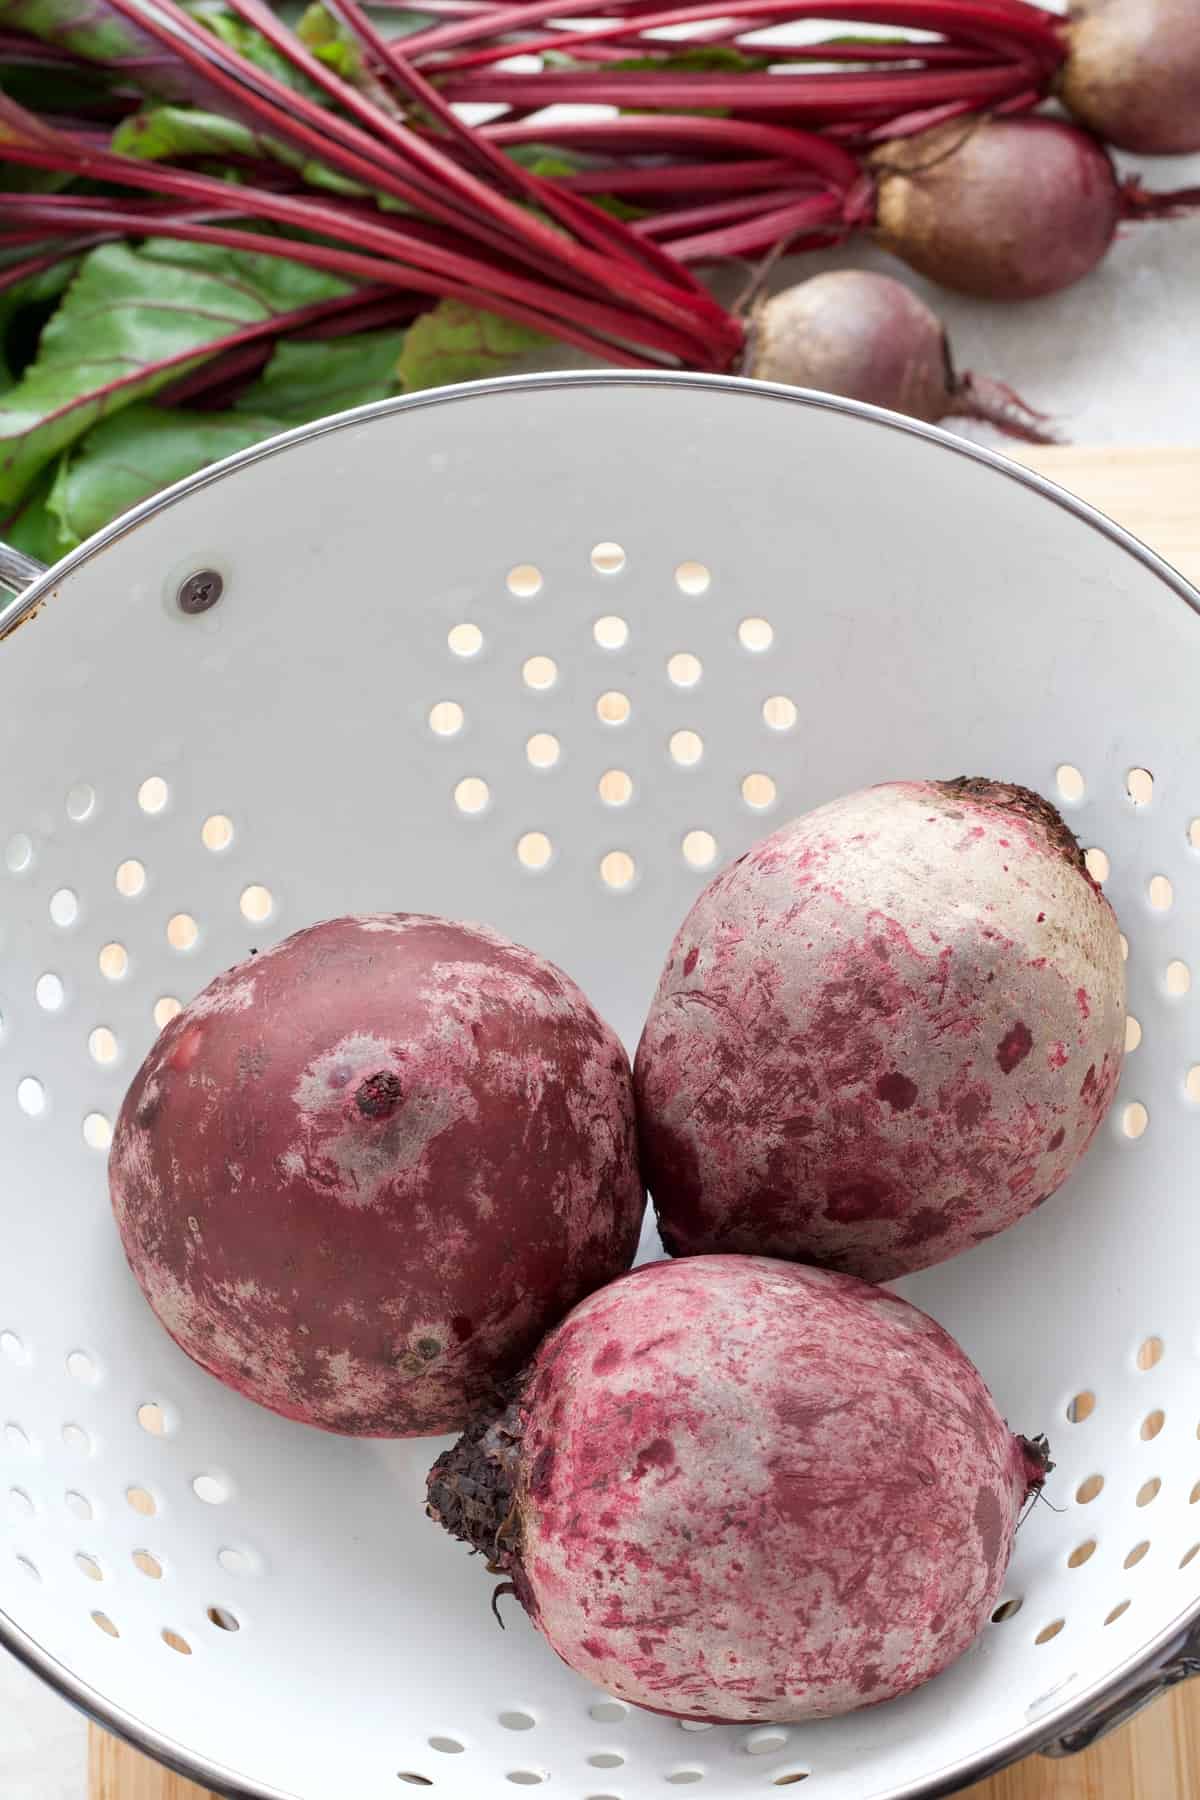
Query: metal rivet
{"points": [[200, 591]]}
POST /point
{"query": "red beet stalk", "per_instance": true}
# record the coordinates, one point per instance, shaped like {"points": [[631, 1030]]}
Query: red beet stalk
{"points": [[619, 294], [1129, 70], [995, 53], [411, 167], [1004, 208]]}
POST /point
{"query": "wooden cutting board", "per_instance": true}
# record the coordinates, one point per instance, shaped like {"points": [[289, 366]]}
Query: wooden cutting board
{"points": [[1156, 495]]}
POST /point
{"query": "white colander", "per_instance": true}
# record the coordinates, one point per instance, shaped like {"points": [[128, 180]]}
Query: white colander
{"points": [[544, 652]]}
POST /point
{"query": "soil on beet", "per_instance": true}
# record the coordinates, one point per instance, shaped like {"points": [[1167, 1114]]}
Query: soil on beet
{"points": [[1033, 807], [472, 1487]]}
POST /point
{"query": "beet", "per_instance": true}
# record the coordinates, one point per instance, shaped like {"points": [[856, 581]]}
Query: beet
{"points": [[1007, 209], [362, 1174], [730, 1488], [1133, 73], [884, 1034], [869, 338]]}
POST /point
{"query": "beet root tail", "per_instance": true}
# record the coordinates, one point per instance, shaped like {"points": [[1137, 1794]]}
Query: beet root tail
{"points": [[1138, 202], [979, 397]]}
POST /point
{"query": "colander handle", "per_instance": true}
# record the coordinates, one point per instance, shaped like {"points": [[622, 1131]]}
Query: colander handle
{"points": [[1149, 1683], [18, 571]]}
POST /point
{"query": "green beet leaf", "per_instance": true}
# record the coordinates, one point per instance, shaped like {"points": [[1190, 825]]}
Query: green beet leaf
{"points": [[457, 342], [310, 380], [33, 527], [135, 454], [700, 59], [160, 132], [143, 449], [131, 321], [241, 36], [330, 42], [23, 309]]}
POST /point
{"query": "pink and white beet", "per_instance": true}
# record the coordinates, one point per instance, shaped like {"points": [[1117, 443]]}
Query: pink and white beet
{"points": [[884, 1034], [730, 1488], [363, 1173]]}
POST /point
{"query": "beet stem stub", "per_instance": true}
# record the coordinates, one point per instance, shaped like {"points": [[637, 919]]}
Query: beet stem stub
{"points": [[868, 337], [472, 1487], [1036, 1452], [379, 1095], [1010, 796]]}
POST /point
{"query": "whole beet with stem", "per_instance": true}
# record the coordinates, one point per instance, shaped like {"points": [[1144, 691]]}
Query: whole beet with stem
{"points": [[736, 1489], [884, 1034], [868, 337], [1006, 209]]}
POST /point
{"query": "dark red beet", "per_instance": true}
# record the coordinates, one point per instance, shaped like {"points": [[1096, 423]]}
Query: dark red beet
{"points": [[730, 1488], [1007, 209], [1133, 73], [887, 1032], [362, 1174], [869, 338]]}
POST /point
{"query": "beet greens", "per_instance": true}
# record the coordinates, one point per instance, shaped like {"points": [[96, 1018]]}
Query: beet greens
{"points": [[279, 189]]}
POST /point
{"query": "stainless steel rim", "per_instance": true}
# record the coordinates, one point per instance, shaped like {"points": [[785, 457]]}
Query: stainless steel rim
{"points": [[987, 1761]]}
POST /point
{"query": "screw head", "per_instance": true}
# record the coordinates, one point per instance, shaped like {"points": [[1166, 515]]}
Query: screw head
{"points": [[200, 591]]}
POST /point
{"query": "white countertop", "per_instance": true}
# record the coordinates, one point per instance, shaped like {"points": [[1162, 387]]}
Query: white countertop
{"points": [[43, 1743]]}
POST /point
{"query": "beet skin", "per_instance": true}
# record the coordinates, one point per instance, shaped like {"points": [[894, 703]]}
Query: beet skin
{"points": [[1008, 209], [853, 332], [884, 1034], [1133, 73], [363, 1173], [730, 1488]]}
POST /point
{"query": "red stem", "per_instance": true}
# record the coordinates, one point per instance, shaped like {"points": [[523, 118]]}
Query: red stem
{"points": [[909, 124], [624, 39], [677, 337], [378, 315], [257, 95], [290, 116], [1039, 32], [952, 56], [222, 378], [230, 368], [591, 224], [683, 305], [685, 220], [627, 180], [37, 265], [1138, 202], [642, 132], [433, 165], [520, 301], [739, 37], [763, 233], [806, 99], [278, 323], [657, 134]]}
